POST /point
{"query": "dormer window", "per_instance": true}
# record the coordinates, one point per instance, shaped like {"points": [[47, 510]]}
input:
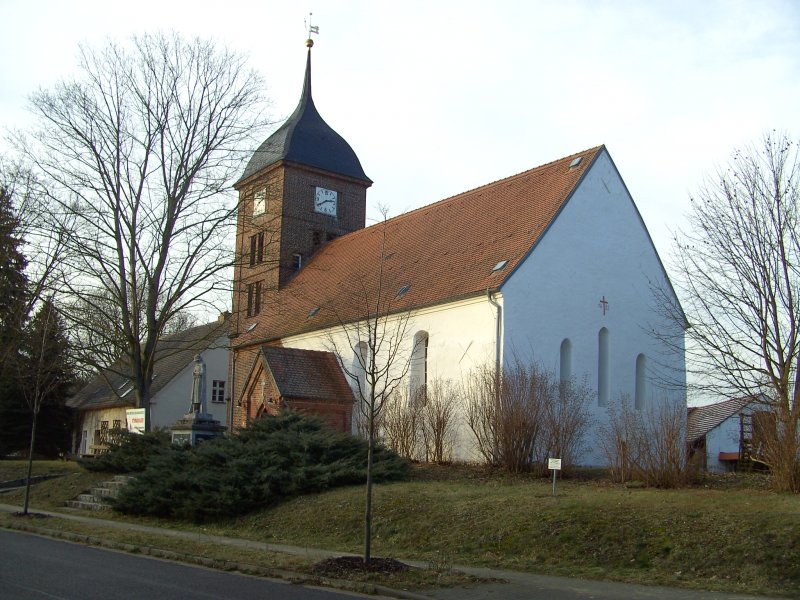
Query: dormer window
{"points": [[500, 266]]}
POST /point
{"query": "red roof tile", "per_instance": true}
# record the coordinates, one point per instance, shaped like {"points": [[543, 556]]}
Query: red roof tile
{"points": [[306, 374], [444, 251]]}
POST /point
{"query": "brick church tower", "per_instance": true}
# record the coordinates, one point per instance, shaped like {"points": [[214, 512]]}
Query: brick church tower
{"points": [[303, 187]]}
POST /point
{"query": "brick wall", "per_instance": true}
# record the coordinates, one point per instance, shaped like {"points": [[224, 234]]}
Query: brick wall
{"points": [[289, 227]]}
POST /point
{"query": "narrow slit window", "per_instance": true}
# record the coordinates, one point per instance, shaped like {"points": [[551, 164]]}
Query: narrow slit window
{"points": [[641, 382], [603, 368]]}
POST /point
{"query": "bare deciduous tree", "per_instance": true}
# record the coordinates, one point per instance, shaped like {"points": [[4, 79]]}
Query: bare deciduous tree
{"points": [[381, 356], [43, 372], [44, 248], [481, 399], [437, 420], [738, 271], [139, 153], [620, 440], [649, 444], [525, 416], [566, 419], [399, 424]]}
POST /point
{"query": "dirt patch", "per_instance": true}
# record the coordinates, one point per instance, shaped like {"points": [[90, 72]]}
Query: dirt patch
{"points": [[31, 515], [341, 567]]}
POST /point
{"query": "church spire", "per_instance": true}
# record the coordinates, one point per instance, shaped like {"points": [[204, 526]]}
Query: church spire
{"points": [[306, 139]]}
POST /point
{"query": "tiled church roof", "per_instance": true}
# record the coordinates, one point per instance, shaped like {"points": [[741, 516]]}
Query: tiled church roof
{"points": [[443, 252]]}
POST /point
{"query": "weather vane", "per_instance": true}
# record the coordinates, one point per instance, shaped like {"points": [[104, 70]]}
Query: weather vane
{"points": [[311, 29]]}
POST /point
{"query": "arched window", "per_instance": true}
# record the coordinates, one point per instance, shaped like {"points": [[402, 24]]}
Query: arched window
{"points": [[565, 362], [603, 375], [418, 371], [641, 382], [359, 370]]}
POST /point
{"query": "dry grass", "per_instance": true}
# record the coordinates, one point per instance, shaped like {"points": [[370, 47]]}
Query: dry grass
{"points": [[724, 535]]}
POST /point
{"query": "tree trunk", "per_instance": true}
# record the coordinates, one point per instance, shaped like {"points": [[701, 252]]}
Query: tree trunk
{"points": [[30, 463], [368, 511]]}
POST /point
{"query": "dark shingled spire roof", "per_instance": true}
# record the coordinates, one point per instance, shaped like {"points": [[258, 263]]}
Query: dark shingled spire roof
{"points": [[305, 138]]}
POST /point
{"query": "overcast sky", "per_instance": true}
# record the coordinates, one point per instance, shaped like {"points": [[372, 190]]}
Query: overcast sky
{"points": [[440, 97]]}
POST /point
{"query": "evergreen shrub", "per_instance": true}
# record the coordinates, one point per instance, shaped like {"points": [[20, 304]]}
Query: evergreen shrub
{"points": [[129, 452], [272, 459]]}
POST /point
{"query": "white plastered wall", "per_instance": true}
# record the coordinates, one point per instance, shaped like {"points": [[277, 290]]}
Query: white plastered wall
{"points": [[461, 338], [723, 438], [172, 401], [597, 248]]}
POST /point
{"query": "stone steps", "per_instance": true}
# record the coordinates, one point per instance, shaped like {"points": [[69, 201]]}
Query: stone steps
{"points": [[96, 498]]}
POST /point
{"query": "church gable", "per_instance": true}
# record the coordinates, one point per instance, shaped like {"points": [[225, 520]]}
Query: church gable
{"points": [[585, 302]]}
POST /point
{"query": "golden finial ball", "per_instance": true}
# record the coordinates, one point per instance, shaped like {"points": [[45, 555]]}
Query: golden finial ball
{"points": [[309, 43]]}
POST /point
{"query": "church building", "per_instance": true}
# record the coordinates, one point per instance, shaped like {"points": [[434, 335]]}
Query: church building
{"points": [[552, 266]]}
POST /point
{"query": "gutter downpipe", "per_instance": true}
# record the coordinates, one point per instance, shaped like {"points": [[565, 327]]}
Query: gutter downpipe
{"points": [[498, 334], [498, 331], [497, 341]]}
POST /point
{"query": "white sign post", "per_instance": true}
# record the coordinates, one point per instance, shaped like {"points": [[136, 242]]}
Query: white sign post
{"points": [[554, 464]]}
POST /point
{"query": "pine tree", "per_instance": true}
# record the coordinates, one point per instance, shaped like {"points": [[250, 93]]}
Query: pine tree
{"points": [[13, 282], [13, 314]]}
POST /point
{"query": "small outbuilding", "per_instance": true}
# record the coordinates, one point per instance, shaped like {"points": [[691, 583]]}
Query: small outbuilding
{"points": [[718, 433], [306, 381]]}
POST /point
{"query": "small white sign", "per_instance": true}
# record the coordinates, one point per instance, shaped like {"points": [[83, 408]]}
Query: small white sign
{"points": [[135, 418], [554, 464]]}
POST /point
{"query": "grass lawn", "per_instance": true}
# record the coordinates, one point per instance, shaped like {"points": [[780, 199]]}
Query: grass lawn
{"points": [[725, 536]]}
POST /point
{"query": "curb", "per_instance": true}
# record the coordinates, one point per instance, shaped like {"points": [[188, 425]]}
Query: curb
{"points": [[219, 565]]}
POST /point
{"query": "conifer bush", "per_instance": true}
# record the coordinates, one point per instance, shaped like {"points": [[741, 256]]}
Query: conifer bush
{"points": [[129, 452], [272, 459]]}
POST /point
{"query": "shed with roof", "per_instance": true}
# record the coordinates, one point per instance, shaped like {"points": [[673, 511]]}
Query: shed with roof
{"points": [[718, 434]]}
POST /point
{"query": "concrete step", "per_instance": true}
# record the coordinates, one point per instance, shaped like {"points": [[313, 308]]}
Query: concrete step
{"points": [[105, 492], [86, 505], [95, 500]]}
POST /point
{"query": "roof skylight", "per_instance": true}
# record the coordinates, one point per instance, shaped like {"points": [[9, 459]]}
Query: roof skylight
{"points": [[313, 312], [403, 291], [252, 326], [575, 162], [501, 265]]}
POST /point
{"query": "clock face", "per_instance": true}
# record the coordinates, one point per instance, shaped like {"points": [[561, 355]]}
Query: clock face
{"points": [[325, 201]]}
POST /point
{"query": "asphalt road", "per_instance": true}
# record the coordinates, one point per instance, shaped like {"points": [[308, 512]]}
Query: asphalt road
{"points": [[37, 568]]}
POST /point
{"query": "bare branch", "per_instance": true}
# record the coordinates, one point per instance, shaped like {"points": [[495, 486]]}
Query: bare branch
{"points": [[139, 154]]}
